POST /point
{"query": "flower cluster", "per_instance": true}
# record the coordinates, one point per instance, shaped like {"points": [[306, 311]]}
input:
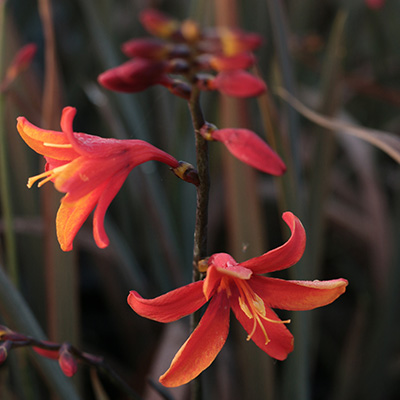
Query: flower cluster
{"points": [[181, 56]]}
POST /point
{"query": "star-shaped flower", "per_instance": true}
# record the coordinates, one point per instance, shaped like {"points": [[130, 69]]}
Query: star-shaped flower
{"points": [[242, 288]]}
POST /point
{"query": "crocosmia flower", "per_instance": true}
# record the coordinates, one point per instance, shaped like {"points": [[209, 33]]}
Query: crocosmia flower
{"points": [[183, 52], [89, 169], [242, 288]]}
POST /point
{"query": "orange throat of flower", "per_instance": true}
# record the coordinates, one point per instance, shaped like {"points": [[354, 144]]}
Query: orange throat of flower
{"points": [[254, 308]]}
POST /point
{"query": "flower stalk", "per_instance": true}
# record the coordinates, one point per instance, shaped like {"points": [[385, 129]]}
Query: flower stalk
{"points": [[202, 196]]}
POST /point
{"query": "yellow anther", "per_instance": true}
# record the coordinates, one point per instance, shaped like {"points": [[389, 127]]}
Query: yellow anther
{"points": [[46, 176], [58, 145]]}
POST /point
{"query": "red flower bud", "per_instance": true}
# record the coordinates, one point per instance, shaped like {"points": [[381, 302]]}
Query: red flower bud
{"points": [[158, 24], [133, 76], [67, 361], [249, 148], [145, 48], [238, 83]]}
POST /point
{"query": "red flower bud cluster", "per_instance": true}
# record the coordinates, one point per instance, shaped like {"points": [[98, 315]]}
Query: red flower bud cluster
{"points": [[181, 56]]}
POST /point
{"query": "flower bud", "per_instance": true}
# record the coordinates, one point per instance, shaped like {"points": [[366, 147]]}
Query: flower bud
{"points": [[158, 24], [133, 76], [145, 48], [67, 361]]}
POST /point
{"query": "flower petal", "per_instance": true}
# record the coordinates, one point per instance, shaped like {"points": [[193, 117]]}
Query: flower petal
{"points": [[297, 295], [72, 215], [248, 147], [284, 256], [170, 306], [105, 199], [41, 141], [281, 340], [203, 345], [238, 83]]}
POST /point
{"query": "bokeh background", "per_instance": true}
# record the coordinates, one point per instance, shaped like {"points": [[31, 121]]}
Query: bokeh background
{"points": [[339, 58]]}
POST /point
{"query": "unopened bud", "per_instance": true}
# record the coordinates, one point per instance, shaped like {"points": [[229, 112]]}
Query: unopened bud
{"points": [[67, 361], [186, 172]]}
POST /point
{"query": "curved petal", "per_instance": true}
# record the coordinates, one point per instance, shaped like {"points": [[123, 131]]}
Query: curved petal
{"points": [[203, 345], [72, 215], [170, 306], [284, 256], [107, 196], [249, 148], [280, 339], [297, 295], [41, 141]]}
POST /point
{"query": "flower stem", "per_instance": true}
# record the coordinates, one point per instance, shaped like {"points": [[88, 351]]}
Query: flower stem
{"points": [[200, 232]]}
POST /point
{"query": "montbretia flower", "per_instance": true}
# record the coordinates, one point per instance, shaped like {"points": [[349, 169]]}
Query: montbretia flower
{"points": [[242, 288], [246, 146], [89, 169]]}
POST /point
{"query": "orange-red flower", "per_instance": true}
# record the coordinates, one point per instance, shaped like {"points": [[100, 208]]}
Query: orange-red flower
{"points": [[240, 287], [89, 169]]}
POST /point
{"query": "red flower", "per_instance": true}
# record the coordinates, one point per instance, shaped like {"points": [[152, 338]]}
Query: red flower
{"points": [[240, 287], [248, 147], [89, 169]]}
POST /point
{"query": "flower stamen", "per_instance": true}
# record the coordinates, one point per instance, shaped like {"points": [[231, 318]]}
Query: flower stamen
{"points": [[254, 308], [58, 145], [46, 176]]}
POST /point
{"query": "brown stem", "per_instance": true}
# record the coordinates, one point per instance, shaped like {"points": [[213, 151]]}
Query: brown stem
{"points": [[200, 232]]}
